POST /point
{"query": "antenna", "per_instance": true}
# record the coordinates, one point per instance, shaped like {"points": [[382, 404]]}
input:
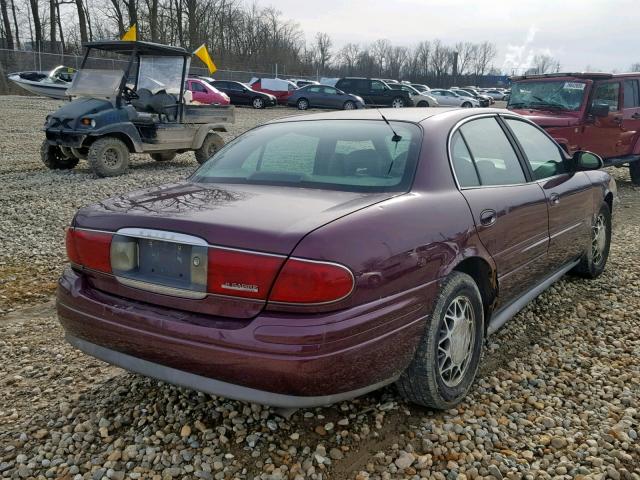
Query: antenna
{"points": [[396, 138]]}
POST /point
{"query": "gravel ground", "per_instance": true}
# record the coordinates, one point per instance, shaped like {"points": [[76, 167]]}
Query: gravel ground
{"points": [[558, 394]]}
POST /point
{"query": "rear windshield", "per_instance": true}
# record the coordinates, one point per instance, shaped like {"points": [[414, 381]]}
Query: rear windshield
{"points": [[352, 155]]}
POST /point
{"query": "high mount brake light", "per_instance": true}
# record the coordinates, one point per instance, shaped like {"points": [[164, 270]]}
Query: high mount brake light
{"points": [[311, 282], [89, 249]]}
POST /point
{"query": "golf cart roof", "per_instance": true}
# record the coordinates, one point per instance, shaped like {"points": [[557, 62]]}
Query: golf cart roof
{"points": [[142, 48]]}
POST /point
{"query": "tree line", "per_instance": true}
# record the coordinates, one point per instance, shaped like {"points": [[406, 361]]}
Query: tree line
{"points": [[240, 36]]}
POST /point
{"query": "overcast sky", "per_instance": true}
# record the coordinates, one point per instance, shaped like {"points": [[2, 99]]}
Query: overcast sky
{"points": [[601, 34]]}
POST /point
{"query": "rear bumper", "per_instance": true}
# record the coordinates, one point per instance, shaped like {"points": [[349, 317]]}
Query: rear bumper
{"points": [[278, 360]]}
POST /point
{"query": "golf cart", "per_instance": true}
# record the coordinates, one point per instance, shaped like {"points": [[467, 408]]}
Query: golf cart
{"points": [[142, 108]]}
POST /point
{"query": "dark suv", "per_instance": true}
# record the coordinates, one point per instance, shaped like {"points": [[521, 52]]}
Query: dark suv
{"points": [[375, 92]]}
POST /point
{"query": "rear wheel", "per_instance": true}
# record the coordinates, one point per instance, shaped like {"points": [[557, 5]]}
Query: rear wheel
{"points": [[303, 104], [54, 158], [634, 171], [349, 105], [212, 143], [257, 103], [595, 258], [446, 361], [397, 102], [108, 157], [163, 156]]}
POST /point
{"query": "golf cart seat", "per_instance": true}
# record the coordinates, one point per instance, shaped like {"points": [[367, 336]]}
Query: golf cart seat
{"points": [[161, 103]]}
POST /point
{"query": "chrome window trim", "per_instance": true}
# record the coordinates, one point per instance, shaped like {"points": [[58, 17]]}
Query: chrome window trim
{"points": [[459, 124]]}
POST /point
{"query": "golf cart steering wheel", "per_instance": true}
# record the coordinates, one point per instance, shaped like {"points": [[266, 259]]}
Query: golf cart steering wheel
{"points": [[129, 93]]}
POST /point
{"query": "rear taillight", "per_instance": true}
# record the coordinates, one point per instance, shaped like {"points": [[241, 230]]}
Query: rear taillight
{"points": [[241, 274], [89, 249], [311, 282]]}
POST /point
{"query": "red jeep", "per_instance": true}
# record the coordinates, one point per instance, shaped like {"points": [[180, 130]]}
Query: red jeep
{"points": [[599, 112]]}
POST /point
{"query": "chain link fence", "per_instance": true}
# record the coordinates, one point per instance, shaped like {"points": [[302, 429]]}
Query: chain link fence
{"points": [[19, 61]]}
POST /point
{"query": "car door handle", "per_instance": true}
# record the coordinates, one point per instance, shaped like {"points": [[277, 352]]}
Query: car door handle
{"points": [[488, 217], [635, 116], [554, 199]]}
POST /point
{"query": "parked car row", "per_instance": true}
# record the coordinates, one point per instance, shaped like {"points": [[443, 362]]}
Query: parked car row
{"points": [[346, 93]]}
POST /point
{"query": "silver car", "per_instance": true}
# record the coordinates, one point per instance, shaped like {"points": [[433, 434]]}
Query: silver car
{"points": [[324, 96], [447, 98], [420, 99]]}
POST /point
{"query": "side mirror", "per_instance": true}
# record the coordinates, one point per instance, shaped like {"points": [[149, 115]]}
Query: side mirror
{"points": [[599, 110], [584, 160]]}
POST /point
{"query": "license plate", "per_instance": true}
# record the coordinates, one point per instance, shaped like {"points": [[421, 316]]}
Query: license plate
{"points": [[157, 262]]}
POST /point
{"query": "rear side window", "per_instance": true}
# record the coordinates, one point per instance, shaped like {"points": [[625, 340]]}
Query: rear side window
{"points": [[463, 163], [352, 155], [494, 157], [631, 94], [542, 153]]}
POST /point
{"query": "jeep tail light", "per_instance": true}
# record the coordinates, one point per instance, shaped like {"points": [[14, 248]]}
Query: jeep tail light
{"points": [[89, 249], [241, 274], [311, 282]]}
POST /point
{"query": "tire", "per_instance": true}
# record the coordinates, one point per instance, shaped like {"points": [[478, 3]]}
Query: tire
{"points": [[212, 143], [54, 159], [422, 104], [594, 260], [258, 103], [302, 104], [427, 381], [634, 172], [466, 105], [398, 102], [108, 157], [349, 105], [163, 156]]}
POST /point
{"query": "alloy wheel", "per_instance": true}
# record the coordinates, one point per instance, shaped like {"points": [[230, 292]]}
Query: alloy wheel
{"points": [[455, 341], [303, 104], [397, 103], [349, 106], [258, 103], [598, 239]]}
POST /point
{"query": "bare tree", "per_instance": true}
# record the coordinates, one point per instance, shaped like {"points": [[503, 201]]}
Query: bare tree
{"points": [[348, 55], [323, 45], [635, 67], [544, 63], [486, 52], [37, 25], [467, 52], [6, 24], [15, 23]]}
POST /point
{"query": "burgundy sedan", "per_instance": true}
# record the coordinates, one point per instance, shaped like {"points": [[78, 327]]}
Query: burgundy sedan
{"points": [[319, 257]]}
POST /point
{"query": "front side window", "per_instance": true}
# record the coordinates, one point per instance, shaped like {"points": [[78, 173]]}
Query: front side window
{"points": [[352, 155], [196, 87], [494, 157], [607, 94], [542, 153]]}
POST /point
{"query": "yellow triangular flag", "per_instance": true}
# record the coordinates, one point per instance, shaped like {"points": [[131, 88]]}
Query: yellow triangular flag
{"points": [[203, 54], [130, 35]]}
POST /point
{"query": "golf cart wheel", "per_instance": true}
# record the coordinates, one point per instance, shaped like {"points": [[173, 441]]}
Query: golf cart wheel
{"points": [[303, 104], [466, 105], [634, 172], [212, 143], [54, 159], [349, 105], [257, 103], [108, 157], [163, 156], [397, 102]]}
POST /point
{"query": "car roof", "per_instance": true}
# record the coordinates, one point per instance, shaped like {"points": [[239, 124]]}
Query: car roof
{"points": [[586, 75], [142, 48], [412, 115]]}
